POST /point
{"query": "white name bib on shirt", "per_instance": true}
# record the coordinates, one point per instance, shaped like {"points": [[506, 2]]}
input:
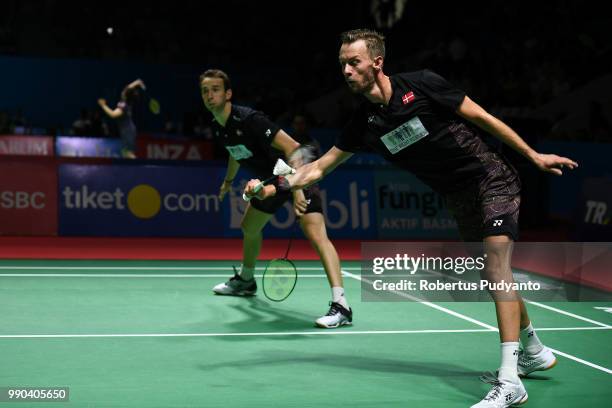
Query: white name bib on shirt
{"points": [[404, 135], [239, 152]]}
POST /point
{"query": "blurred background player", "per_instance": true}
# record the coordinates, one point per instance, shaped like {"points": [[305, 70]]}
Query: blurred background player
{"points": [[123, 115], [422, 123], [254, 141]]}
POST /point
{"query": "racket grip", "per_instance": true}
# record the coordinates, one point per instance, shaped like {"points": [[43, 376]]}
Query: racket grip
{"points": [[255, 190]]}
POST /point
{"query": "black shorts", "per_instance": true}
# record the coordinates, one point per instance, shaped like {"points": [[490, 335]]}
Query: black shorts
{"points": [[272, 204], [484, 211]]}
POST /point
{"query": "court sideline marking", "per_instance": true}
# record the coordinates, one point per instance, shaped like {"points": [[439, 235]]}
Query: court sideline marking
{"points": [[264, 334], [344, 271], [464, 317], [531, 302]]}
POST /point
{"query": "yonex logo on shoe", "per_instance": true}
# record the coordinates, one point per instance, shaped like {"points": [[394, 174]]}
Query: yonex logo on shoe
{"points": [[530, 334], [516, 353], [497, 223]]}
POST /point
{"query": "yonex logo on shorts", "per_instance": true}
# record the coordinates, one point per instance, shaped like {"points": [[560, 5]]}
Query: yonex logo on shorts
{"points": [[498, 223]]}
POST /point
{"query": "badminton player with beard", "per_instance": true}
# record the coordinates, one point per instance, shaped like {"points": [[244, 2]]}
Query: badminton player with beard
{"points": [[423, 124], [253, 141], [123, 115]]}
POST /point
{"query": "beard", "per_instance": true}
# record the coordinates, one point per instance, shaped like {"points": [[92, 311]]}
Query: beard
{"points": [[365, 85]]}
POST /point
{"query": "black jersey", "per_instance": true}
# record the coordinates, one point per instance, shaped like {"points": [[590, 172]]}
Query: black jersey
{"points": [[247, 136], [420, 131]]}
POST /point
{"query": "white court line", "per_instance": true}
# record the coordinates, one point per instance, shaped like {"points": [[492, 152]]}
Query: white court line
{"points": [[147, 268], [563, 312], [140, 275], [579, 360], [264, 334], [433, 305], [443, 309], [573, 328], [531, 302], [126, 275]]}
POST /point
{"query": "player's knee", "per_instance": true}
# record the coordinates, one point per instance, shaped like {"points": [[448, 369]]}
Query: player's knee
{"points": [[315, 240], [248, 229], [318, 240]]}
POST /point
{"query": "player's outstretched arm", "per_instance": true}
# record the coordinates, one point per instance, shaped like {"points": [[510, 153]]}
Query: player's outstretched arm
{"points": [[137, 84], [550, 163], [310, 173], [285, 143], [112, 113]]}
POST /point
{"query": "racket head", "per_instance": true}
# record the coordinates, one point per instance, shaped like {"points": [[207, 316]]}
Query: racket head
{"points": [[279, 279], [154, 106]]}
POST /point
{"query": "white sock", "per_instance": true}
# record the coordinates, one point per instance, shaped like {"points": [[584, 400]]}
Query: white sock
{"points": [[338, 296], [246, 273], [509, 361], [531, 343]]}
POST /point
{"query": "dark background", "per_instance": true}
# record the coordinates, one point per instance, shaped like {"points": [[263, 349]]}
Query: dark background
{"points": [[284, 54], [543, 67]]}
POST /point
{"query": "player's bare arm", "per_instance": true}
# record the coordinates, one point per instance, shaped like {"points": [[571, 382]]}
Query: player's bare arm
{"points": [[112, 113], [550, 163], [285, 143], [312, 172], [232, 169]]}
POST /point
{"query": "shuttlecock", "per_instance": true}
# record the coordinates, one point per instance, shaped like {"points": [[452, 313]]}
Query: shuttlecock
{"points": [[282, 169]]}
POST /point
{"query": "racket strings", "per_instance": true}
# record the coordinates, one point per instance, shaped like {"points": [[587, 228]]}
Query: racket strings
{"points": [[279, 279]]}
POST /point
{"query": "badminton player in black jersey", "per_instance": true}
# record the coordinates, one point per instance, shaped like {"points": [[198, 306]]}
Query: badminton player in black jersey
{"points": [[422, 123], [253, 141]]}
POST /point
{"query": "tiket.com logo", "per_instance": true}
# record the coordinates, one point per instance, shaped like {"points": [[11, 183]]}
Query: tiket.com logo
{"points": [[142, 201]]}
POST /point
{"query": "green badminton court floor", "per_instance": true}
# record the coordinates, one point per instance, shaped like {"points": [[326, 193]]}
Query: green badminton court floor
{"points": [[152, 334]]}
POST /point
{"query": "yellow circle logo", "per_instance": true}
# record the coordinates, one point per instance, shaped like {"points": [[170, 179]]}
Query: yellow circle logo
{"points": [[144, 201]]}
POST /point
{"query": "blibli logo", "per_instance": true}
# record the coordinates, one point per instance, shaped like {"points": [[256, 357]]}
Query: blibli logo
{"points": [[142, 201], [338, 214]]}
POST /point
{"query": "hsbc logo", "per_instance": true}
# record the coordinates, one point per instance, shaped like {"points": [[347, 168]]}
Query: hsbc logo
{"points": [[22, 200]]}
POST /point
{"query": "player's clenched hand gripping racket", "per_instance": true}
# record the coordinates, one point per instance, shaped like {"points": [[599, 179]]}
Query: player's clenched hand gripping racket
{"points": [[280, 169]]}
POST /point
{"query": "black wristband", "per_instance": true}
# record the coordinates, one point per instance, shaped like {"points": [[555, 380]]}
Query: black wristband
{"points": [[282, 184]]}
